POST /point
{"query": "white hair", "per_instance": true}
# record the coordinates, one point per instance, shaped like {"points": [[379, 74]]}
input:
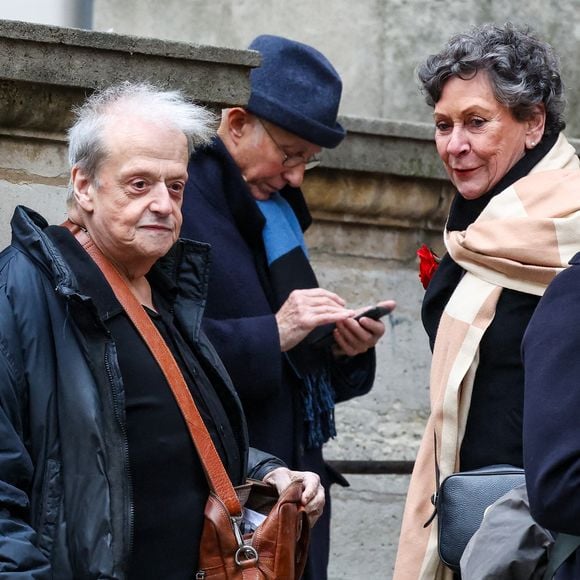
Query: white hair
{"points": [[87, 147]]}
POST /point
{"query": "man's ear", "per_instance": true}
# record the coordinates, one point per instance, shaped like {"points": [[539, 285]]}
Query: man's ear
{"points": [[238, 121], [83, 189]]}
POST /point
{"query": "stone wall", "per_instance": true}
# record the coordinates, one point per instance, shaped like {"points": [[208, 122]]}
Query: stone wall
{"points": [[374, 44], [375, 199], [45, 70], [73, 13], [380, 196]]}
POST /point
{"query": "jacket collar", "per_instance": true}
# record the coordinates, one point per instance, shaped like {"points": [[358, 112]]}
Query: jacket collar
{"points": [[248, 217], [181, 276]]}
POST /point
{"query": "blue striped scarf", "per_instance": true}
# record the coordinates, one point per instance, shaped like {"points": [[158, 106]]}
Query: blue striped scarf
{"points": [[285, 248]]}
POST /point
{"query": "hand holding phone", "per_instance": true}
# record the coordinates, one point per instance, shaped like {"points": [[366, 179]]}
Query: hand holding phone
{"points": [[322, 336]]}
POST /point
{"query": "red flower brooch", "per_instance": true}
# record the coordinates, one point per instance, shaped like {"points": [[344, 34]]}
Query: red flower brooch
{"points": [[428, 264]]}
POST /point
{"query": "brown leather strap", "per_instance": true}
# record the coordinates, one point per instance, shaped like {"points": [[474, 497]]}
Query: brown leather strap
{"points": [[216, 474]]}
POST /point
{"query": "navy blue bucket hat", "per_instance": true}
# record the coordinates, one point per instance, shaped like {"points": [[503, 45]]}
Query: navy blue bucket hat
{"points": [[297, 89]]}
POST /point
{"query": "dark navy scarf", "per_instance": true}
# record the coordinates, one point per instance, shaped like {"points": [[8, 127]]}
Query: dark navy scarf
{"points": [[289, 269]]}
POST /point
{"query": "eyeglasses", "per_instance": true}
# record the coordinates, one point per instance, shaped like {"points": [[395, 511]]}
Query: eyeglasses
{"points": [[291, 161]]}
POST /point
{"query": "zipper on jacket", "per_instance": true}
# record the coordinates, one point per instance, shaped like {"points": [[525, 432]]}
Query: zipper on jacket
{"points": [[117, 403]]}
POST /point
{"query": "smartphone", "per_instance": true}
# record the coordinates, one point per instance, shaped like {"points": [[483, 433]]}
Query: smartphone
{"points": [[322, 336], [375, 313]]}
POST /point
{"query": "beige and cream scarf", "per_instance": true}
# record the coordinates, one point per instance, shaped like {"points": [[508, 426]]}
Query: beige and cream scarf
{"points": [[521, 240]]}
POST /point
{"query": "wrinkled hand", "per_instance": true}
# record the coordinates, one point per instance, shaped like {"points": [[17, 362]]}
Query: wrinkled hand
{"points": [[354, 337], [304, 310], [312, 495]]}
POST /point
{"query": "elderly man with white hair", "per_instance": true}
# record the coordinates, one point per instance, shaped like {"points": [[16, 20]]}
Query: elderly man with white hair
{"points": [[99, 477]]}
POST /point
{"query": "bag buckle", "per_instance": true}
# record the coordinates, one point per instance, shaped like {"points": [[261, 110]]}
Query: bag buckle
{"points": [[246, 553]]}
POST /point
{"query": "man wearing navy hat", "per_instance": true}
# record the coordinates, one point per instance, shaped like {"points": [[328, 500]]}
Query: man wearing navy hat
{"points": [[243, 198]]}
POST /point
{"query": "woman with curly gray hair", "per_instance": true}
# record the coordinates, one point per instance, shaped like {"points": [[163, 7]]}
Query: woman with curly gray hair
{"points": [[498, 104]]}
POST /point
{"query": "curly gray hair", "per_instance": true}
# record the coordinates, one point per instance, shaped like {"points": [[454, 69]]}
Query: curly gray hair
{"points": [[523, 70]]}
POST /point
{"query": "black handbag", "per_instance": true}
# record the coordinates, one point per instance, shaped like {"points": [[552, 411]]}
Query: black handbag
{"points": [[461, 501], [510, 544]]}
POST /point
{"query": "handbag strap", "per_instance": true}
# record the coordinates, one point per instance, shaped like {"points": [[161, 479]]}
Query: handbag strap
{"points": [[215, 471], [564, 547], [437, 483]]}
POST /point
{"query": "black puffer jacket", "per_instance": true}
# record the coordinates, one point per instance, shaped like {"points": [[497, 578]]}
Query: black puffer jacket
{"points": [[65, 503]]}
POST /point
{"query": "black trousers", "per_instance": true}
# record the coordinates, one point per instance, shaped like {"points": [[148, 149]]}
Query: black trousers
{"points": [[319, 552]]}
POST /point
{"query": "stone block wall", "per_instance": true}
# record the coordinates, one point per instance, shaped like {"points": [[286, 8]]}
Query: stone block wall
{"points": [[374, 44], [46, 70], [378, 197], [375, 199]]}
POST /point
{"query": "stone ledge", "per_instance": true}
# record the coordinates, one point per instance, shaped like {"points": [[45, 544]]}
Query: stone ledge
{"points": [[44, 70], [110, 41], [378, 199], [385, 173], [392, 147], [382, 146]]}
